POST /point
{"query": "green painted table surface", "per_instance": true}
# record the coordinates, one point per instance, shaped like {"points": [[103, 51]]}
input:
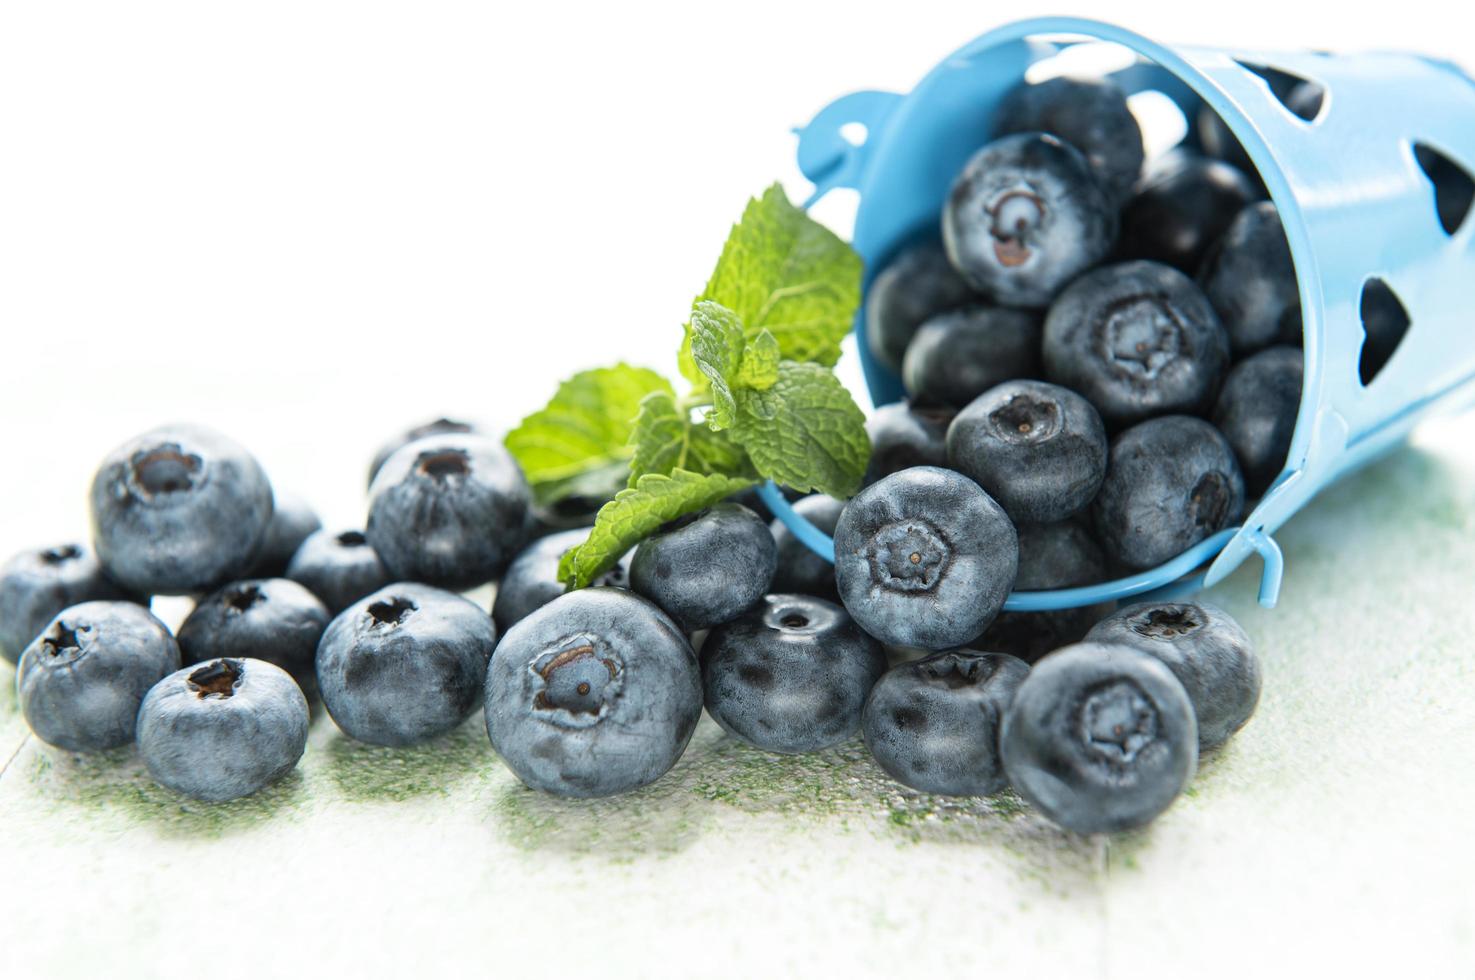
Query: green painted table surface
{"points": [[1333, 836]]}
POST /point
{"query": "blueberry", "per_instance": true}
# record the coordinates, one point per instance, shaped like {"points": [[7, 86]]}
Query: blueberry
{"points": [[1170, 483], [799, 569], [36, 585], [179, 509], [1137, 339], [270, 619], [1205, 649], [924, 558], [339, 567], [1063, 555], [933, 724], [436, 427], [957, 356], [405, 664], [1025, 217], [915, 286], [223, 729], [1100, 738], [595, 693], [706, 568], [81, 681], [1251, 282], [293, 521], [448, 511], [531, 581], [1184, 206], [1038, 449], [791, 675], [1032, 635], [1087, 113], [1257, 413], [904, 435]]}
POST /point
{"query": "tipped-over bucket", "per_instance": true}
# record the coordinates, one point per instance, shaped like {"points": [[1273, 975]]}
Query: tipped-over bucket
{"points": [[1372, 192]]}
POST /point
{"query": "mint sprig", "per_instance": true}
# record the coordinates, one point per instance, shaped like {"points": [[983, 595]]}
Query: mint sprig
{"points": [[764, 404]]}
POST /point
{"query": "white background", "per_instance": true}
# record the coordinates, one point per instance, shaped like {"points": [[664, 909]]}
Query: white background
{"points": [[310, 224]]}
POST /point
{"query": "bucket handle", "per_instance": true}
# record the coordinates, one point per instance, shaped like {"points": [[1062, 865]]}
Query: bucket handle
{"points": [[1131, 586], [828, 156]]}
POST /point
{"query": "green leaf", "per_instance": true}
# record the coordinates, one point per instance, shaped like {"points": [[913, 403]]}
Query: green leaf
{"points": [[638, 511], [584, 430], [759, 368], [729, 361], [805, 432], [665, 439], [784, 272], [717, 346], [659, 436]]}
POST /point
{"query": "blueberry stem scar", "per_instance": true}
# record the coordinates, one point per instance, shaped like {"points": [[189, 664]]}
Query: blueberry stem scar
{"points": [[219, 677]]}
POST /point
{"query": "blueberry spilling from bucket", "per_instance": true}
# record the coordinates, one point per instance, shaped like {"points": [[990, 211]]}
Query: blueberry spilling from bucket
{"points": [[1099, 351]]}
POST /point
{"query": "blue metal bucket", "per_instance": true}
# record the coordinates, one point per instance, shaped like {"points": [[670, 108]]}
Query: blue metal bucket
{"points": [[1357, 205]]}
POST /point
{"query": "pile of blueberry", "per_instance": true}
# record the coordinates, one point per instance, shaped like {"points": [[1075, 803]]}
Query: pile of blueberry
{"points": [[1101, 367], [597, 691]]}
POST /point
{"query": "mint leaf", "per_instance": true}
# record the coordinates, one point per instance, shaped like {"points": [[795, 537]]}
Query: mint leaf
{"points": [[584, 431], [659, 436], [805, 432], [638, 511], [759, 368], [717, 346], [784, 272], [728, 360], [665, 439]]}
